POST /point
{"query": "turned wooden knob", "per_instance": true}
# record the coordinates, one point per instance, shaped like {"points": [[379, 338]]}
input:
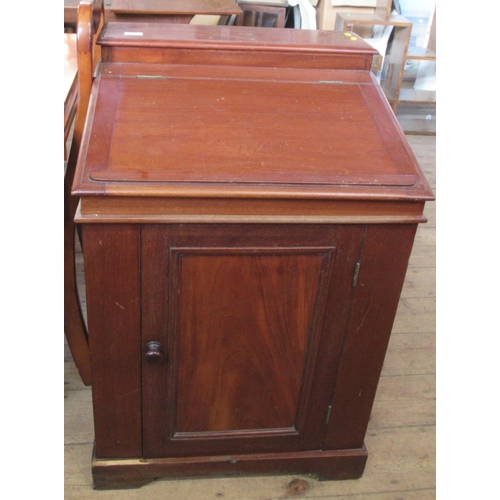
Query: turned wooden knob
{"points": [[153, 353]]}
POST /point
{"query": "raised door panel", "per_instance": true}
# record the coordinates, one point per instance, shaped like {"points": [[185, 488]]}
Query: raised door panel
{"points": [[242, 321], [245, 322]]}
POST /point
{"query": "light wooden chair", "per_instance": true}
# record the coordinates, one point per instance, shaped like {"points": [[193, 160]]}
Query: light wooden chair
{"points": [[70, 85], [89, 23]]}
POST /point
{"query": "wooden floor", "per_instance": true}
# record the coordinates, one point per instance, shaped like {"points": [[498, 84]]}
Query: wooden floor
{"points": [[401, 433]]}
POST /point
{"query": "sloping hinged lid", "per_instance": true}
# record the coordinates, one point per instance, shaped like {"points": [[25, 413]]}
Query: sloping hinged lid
{"points": [[167, 129]]}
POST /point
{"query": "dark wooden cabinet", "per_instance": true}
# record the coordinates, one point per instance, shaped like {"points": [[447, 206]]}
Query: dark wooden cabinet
{"points": [[248, 207], [247, 317]]}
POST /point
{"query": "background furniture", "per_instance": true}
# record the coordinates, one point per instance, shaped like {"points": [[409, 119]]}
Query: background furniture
{"points": [[89, 23], [70, 84], [70, 15], [392, 68], [240, 296], [264, 14], [415, 106], [169, 11], [327, 12]]}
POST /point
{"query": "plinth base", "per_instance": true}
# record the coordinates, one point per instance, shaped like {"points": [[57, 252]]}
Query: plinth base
{"points": [[325, 465]]}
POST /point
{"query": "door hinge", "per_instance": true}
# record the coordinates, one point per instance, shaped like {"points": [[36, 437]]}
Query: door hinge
{"points": [[356, 273], [151, 77], [328, 414]]}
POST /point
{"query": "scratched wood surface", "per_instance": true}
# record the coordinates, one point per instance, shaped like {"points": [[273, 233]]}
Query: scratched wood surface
{"points": [[401, 433]]}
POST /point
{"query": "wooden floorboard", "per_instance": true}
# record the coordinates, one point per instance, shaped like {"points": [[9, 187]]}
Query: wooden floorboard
{"points": [[401, 432]]}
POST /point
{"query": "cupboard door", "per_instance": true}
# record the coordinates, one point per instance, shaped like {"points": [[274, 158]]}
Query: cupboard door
{"points": [[242, 329]]}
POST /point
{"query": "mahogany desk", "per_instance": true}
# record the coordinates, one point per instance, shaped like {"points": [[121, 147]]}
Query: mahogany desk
{"points": [[248, 208]]}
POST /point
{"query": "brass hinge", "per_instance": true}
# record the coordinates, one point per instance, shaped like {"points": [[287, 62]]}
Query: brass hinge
{"points": [[151, 77], [356, 273], [328, 414]]}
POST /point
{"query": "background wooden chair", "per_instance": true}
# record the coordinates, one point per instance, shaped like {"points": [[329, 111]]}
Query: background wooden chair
{"points": [[89, 23], [70, 85]]}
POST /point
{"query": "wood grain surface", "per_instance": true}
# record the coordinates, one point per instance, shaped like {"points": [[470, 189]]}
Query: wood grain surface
{"points": [[401, 431], [233, 330], [246, 318], [259, 331], [214, 135], [263, 40], [220, 114], [112, 287]]}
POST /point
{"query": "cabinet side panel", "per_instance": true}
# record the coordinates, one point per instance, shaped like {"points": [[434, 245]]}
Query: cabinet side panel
{"points": [[381, 277], [112, 283]]}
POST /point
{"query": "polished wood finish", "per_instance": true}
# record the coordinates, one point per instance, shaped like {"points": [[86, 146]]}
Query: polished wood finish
{"points": [[216, 210], [272, 144], [382, 271], [90, 16], [111, 256], [220, 100], [400, 434], [233, 275], [259, 328], [230, 334], [232, 46]]}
